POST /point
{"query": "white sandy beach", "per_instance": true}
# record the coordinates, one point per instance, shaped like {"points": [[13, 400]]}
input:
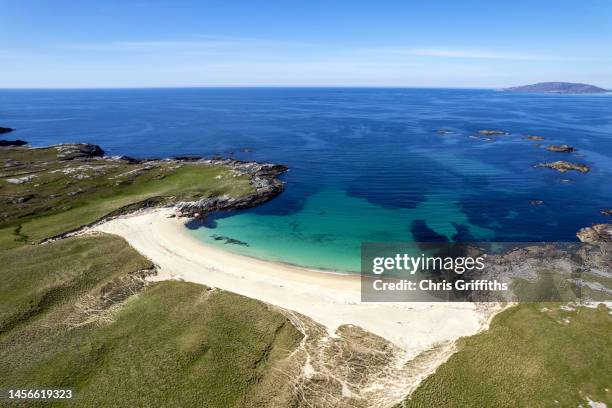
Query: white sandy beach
{"points": [[329, 299]]}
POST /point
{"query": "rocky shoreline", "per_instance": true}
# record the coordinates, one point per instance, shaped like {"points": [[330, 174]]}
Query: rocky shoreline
{"points": [[263, 178]]}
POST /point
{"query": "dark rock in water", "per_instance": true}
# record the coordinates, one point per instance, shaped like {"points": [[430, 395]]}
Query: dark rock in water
{"points": [[229, 240], [534, 137], [536, 202], [187, 158], [595, 233], [560, 148], [489, 132], [78, 150], [606, 211], [5, 129], [17, 142], [422, 233], [558, 88], [563, 166]]}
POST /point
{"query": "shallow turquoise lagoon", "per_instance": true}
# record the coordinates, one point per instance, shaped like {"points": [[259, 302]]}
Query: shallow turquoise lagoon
{"points": [[329, 230]]}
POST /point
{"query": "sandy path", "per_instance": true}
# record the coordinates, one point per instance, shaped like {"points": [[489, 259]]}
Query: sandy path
{"points": [[330, 299]]}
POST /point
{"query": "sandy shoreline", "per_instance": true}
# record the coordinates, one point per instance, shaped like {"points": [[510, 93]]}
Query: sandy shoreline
{"points": [[329, 299]]}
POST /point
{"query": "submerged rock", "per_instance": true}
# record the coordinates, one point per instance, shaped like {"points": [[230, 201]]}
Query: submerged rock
{"points": [[563, 166], [595, 233], [229, 240], [17, 142], [536, 202], [560, 148], [534, 137], [5, 129], [489, 132], [606, 211], [73, 151], [444, 132]]}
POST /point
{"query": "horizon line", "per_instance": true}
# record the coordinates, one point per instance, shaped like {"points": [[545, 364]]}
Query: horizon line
{"points": [[286, 86]]}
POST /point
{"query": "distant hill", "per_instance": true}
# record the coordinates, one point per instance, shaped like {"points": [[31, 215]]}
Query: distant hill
{"points": [[557, 87]]}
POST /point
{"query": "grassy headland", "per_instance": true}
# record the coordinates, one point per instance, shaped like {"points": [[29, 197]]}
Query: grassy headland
{"points": [[43, 194]]}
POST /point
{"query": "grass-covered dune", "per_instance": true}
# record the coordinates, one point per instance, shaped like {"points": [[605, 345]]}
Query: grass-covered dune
{"points": [[533, 355], [74, 314]]}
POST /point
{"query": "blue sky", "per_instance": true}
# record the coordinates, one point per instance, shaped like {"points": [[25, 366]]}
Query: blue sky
{"points": [[153, 43]]}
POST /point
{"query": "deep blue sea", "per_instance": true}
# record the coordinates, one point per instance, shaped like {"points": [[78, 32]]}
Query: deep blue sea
{"points": [[366, 165]]}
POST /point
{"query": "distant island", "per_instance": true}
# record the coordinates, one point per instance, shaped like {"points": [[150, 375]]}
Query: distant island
{"points": [[558, 87]]}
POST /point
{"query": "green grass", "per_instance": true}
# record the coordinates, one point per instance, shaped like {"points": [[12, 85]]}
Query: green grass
{"points": [[34, 278], [187, 183], [54, 202], [530, 357], [172, 344]]}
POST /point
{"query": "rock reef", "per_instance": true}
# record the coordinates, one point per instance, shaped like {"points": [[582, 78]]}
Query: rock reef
{"points": [[5, 143], [71, 151], [564, 166], [5, 129], [492, 132], [560, 148], [595, 234]]}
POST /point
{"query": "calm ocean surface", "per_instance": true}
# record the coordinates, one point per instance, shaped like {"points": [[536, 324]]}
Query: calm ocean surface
{"points": [[367, 165]]}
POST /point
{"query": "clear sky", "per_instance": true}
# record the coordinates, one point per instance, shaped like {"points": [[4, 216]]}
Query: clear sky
{"points": [[454, 43]]}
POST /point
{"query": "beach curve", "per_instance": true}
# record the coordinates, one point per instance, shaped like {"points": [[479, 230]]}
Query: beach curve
{"points": [[330, 299]]}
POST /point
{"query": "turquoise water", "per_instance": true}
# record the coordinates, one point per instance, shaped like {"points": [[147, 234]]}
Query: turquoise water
{"points": [[328, 231], [366, 165]]}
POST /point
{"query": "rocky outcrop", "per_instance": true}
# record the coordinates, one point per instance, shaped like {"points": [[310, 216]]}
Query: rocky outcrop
{"points": [[5, 129], [596, 233], [606, 211], [74, 151], [490, 132], [5, 143], [263, 179], [560, 148], [534, 137], [563, 166]]}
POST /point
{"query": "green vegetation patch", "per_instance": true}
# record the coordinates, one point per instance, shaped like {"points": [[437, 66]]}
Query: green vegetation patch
{"points": [[533, 355], [42, 196], [168, 344], [33, 279]]}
